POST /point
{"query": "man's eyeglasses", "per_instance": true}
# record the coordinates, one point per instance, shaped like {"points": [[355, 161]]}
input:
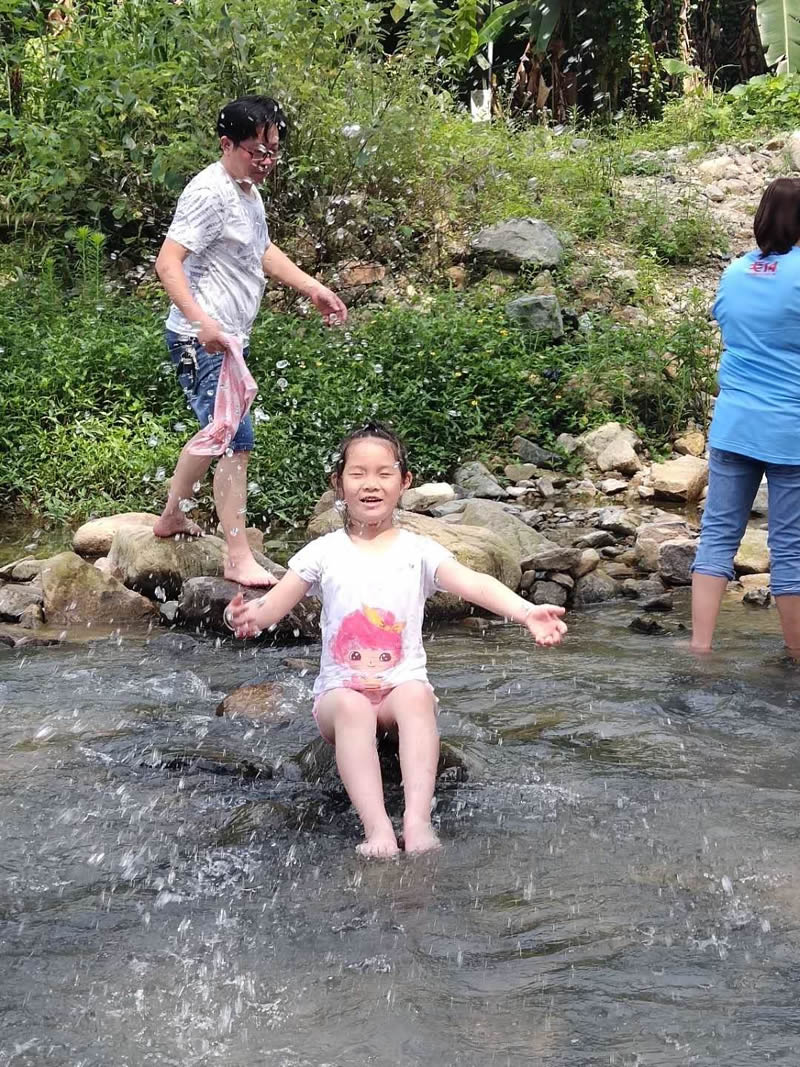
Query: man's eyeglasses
{"points": [[261, 154]]}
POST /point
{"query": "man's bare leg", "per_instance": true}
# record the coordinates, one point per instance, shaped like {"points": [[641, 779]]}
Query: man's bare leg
{"points": [[173, 519], [230, 497]]}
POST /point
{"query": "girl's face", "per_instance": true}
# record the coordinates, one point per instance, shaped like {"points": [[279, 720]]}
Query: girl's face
{"points": [[371, 484]]}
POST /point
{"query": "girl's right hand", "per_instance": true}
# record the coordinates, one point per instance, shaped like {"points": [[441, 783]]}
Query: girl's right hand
{"points": [[242, 616]]}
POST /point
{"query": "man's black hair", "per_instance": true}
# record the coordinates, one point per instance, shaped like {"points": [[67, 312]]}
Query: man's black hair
{"points": [[243, 117]]}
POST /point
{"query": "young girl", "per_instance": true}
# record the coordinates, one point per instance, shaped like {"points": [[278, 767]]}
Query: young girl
{"points": [[373, 580]]}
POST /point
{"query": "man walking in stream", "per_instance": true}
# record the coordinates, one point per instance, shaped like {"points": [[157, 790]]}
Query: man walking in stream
{"points": [[213, 264]]}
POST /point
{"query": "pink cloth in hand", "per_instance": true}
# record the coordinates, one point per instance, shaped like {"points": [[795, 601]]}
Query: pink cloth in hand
{"points": [[235, 393]]}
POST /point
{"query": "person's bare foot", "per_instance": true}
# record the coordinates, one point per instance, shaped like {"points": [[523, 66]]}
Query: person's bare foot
{"points": [[176, 525], [249, 573], [379, 844], [420, 837]]}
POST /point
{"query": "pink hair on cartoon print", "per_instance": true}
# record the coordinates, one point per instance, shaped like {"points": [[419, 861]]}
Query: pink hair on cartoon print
{"points": [[358, 631]]}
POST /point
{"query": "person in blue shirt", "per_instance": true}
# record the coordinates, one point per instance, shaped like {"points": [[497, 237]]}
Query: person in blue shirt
{"points": [[756, 424]]}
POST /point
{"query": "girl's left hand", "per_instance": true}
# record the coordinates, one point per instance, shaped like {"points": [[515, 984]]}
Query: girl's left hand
{"points": [[545, 625]]}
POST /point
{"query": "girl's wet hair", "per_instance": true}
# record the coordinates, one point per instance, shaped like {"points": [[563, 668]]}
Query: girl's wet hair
{"points": [[375, 430]]}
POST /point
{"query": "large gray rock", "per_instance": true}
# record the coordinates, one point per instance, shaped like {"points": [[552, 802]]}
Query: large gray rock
{"points": [[517, 243], [593, 588], [675, 559], [477, 480], [493, 516], [594, 443], [530, 452], [75, 593], [429, 495], [651, 535], [537, 311], [619, 455], [551, 557], [158, 566], [14, 599], [680, 479], [203, 601], [549, 593], [94, 537]]}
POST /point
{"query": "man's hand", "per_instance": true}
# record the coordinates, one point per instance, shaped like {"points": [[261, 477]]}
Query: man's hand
{"points": [[328, 304], [212, 336]]}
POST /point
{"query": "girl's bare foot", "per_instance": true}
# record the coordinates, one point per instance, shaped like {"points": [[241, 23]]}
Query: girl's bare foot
{"points": [[249, 573], [177, 525], [420, 837], [381, 843]]}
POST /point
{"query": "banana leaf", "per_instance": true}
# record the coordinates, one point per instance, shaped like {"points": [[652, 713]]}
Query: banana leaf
{"points": [[779, 26]]}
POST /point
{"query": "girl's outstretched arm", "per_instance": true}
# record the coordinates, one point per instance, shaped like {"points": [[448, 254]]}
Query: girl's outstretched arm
{"points": [[543, 620], [249, 618]]}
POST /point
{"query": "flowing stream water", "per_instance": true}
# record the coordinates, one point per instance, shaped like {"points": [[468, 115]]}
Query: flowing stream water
{"points": [[618, 884]]}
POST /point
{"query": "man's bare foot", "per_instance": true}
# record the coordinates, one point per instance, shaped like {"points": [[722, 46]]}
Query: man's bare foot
{"points": [[176, 525], [420, 837], [382, 844], [249, 573]]}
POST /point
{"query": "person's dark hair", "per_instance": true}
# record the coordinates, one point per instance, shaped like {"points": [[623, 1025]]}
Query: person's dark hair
{"points": [[370, 430], [777, 221], [243, 117]]}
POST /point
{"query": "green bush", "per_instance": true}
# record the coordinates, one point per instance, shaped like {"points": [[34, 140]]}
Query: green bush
{"points": [[92, 420], [681, 233]]}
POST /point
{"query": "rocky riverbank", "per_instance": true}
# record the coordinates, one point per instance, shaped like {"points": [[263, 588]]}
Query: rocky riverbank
{"points": [[596, 521]]}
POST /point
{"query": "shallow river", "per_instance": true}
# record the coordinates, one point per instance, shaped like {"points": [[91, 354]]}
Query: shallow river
{"points": [[618, 886]]}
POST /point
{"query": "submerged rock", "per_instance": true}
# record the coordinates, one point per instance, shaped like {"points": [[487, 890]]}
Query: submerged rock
{"points": [[261, 700], [649, 624]]}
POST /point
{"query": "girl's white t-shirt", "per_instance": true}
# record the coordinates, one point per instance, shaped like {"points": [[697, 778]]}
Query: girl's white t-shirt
{"points": [[372, 608]]}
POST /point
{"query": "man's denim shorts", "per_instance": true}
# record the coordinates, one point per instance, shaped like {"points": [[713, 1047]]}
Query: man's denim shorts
{"points": [[198, 376], [732, 485]]}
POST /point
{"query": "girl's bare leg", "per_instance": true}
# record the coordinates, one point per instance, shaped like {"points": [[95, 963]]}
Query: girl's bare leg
{"points": [[411, 708], [349, 720]]}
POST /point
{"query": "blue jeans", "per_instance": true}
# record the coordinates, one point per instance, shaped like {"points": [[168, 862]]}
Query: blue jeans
{"points": [[733, 481], [198, 376]]}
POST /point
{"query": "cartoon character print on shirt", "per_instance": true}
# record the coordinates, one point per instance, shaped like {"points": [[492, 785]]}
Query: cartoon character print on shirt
{"points": [[369, 642]]}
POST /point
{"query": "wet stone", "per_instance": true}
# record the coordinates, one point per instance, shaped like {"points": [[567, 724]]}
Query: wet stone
{"points": [[14, 599], [263, 700], [174, 643], [649, 624], [664, 602], [757, 598]]}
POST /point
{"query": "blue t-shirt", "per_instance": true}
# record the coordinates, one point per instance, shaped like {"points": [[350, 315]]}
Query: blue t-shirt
{"points": [[758, 309]]}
